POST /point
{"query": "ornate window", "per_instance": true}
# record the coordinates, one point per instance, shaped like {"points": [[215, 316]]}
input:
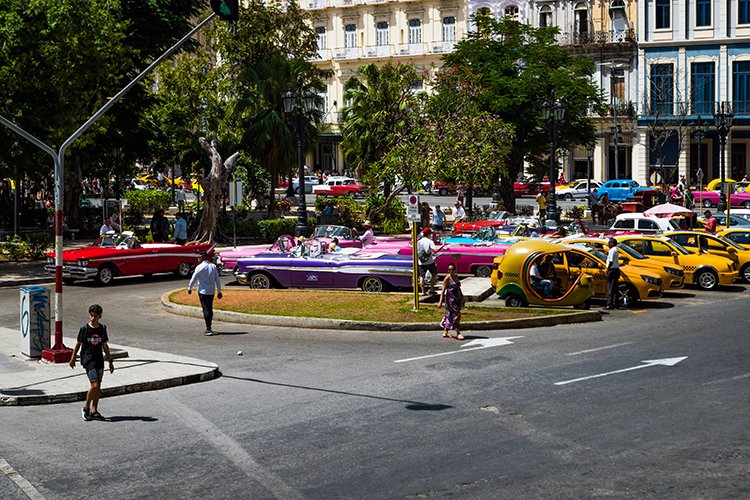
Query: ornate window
{"points": [[703, 12], [545, 16], [381, 33], [663, 14], [449, 29], [350, 36], [415, 31]]}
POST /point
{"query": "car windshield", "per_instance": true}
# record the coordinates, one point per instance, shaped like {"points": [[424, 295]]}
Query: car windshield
{"points": [[331, 231], [728, 242], [631, 252], [496, 216], [681, 249], [596, 253]]}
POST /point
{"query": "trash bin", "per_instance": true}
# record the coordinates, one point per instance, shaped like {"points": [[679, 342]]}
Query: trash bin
{"points": [[35, 320]]}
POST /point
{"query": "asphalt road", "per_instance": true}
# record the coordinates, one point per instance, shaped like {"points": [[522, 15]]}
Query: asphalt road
{"points": [[323, 414]]}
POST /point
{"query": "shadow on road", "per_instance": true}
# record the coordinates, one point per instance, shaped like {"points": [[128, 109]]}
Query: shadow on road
{"points": [[132, 417], [411, 405]]}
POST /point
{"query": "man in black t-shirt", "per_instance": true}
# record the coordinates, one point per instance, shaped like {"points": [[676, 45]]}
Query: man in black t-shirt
{"points": [[92, 342]]}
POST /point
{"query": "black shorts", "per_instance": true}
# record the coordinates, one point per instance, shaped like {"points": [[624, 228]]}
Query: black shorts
{"points": [[423, 268]]}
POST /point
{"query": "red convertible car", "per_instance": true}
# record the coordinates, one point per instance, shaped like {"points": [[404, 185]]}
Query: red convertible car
{"points": [[123, 255], [495, 219], [339, 186]]}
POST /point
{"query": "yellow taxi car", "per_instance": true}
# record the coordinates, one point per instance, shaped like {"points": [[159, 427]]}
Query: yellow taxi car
{"points": [[738, 235], [512, 280], [714, 244], [705, 271], [671, 274]]}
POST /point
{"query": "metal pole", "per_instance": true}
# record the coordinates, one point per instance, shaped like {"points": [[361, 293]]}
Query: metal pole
{"points": [[301, 229], [415, 265], [588, 181], [552, 202], [59, 353], [723, 143]]}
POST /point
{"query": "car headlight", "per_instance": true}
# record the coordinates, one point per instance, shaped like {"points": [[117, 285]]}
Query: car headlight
{"points": [[653, 281], [83, 262], [675, 272]]}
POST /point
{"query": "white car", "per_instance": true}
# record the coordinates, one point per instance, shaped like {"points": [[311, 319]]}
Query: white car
{"points": [[579, 190], [310, 182], [643, 223], [326, 186]]}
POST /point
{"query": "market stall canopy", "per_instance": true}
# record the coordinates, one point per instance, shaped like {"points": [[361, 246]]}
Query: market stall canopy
{"points": [[668, 210]]}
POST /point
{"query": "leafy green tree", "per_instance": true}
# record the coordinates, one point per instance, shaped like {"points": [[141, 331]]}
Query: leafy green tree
{"points": [[519, 67], [383, 110]]}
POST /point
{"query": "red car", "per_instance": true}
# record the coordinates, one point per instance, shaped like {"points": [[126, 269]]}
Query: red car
{"points": [[123, 255], [495, 219], [339, 186]]}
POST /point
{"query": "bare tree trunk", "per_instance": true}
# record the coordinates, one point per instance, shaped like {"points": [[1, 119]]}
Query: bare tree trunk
{"points": [[213, 189]]}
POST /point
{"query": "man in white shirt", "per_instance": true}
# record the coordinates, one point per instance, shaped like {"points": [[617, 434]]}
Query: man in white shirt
{"points": [[368, 238], [458, 212], [107, 226], [181, 197], [208, 280], [425, 254], [613, 273], [538, 282]]}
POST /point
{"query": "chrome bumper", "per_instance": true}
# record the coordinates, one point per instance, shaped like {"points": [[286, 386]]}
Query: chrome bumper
{"points": [[77, 272], [241, 278]]}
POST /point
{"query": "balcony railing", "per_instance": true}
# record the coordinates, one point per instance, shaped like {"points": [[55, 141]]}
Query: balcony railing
{"points": [[598, 37], [316, 4], [324, 54], [348, 3], [378, 50], [679, 109], [407, 49], [347, 53], [441, 47]]}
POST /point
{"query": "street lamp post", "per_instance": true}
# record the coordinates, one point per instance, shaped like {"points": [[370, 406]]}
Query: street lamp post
{"points": [[301, 103], [554, 112], [589, 155], [699, 131], [723, 121]]}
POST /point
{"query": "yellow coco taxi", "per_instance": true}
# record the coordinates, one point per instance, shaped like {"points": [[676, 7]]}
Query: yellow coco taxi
{"points": [[671, 274], [705, 271], [714, 244], [512, 280], [739, 236]]}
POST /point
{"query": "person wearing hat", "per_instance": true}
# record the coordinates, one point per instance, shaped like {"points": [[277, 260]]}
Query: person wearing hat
{"points": [[207, 277], [368, 238], [426, 251]]}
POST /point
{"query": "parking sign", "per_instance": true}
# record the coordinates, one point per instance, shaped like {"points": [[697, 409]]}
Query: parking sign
{"points": [[412, 209]]}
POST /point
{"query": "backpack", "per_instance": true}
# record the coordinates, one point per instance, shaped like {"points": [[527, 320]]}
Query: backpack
{"points": [[424, 255]]}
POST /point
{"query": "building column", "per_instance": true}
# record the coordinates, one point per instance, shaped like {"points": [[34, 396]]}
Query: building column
{"points": [[640, 156]]}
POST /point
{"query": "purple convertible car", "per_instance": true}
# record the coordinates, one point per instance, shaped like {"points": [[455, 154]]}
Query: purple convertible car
{"points": [[308, 267]]}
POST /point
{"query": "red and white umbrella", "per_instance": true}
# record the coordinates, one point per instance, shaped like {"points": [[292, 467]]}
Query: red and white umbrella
{"points": [[668, 210]]}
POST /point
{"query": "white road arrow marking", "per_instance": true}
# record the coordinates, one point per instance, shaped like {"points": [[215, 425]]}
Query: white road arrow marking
{"points": [[472, 345], [649, 362]]}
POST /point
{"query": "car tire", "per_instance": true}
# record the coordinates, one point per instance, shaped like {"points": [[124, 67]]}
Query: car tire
{"points": [[443, 192], [745, 273], [514, 300], [627, 295], [746, 204], [183, 269], [259, 281], [483, 271], [104, 275], [568, 196], [372, 284], [706, 279], [706, 203], [586, 305]]}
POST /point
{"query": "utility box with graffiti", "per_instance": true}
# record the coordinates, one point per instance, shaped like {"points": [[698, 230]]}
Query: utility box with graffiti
{"points": [[35, 320]]}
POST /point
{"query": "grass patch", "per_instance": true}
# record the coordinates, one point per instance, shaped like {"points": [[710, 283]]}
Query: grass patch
{"points": [[357, 306]]}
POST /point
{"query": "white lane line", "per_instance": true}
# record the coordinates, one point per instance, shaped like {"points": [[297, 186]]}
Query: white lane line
{"points": [[234, 451], [20, 481], [730, 379], [586, 351]]}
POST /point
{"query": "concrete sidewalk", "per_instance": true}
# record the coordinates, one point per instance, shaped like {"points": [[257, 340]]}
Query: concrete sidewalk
{"points": [[24, 273], [26, 381]]}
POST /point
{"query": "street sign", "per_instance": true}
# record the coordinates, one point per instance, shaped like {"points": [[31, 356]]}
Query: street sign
{"points": [[655, 178], [412, 209], [235, 193], [699, 174]]}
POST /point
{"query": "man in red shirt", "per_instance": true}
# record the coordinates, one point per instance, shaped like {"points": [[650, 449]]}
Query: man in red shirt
{"points": [[710, 222]]}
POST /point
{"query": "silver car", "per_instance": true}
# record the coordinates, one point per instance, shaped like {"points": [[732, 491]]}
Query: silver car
{"points": [[579, 190]]}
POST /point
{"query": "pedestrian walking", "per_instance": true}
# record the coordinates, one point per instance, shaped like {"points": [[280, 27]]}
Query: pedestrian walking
{"points": [[426, 250], [92, 344], [180, 229], [159, 227], [541, 201], [454, 300], [438, 221], [613, 274], [206, 275], [181, 197], [424, 214], [710, 222]]}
